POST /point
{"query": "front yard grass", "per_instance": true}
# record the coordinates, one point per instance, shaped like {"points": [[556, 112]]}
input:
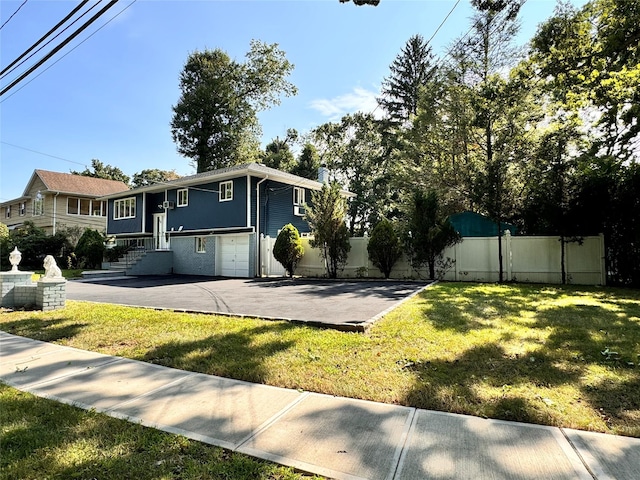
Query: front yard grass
{"points": [[561, 356], [44, 439]]}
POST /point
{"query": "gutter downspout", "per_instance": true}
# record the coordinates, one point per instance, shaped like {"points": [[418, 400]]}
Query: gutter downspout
{"points": [[55, 202], [258, 266]]}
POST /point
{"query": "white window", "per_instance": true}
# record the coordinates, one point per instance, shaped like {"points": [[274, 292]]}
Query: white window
{"points": [[86, 207], [125, 208], [38, 206], [23, 209], [298, 196], [7, 211], [99, 208], [183, 197], [201, 245], [226, 191]]}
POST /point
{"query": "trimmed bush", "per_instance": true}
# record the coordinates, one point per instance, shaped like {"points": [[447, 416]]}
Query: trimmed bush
{"points": [[288, 248], [384, 247]]}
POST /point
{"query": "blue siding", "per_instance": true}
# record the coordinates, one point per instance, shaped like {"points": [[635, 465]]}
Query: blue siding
{"points": [[206, 211], [126, 225], [277, 210]]}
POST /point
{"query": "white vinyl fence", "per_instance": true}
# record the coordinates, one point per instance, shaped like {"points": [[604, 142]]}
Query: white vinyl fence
{"points": [[475, 259]]}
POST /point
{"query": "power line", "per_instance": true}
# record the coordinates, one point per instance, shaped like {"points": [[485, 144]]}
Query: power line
{"points": [[42, 153], [13, 14], [443, 22], [59, 47], [106, 23], [61, 22]]}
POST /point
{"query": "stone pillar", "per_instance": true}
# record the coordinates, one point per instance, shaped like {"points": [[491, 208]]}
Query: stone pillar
{"points": [[51, 293]]}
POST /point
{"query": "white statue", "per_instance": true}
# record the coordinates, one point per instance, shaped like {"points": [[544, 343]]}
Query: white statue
{"points": [[51, 269]]}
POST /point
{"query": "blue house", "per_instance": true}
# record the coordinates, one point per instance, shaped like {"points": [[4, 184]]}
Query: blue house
{"points": [[210, 223], [471, 224]]}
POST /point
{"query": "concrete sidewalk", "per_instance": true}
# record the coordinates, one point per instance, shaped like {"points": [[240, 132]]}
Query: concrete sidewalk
{"points": [[336, 437]]}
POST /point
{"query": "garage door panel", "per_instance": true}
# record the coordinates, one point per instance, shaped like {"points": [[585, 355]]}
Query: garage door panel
{"points": [[234, 256]]}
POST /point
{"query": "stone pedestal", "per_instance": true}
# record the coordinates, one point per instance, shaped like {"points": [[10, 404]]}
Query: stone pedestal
{"points": [[51, 293], [13, 286]]}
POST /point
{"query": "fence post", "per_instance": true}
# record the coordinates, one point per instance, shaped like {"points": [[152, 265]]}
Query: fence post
{"points": [[603, 260], [508, 256]]}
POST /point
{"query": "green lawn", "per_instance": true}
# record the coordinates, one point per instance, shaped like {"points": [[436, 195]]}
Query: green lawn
{"points": [[529, 353], [45, 439]]}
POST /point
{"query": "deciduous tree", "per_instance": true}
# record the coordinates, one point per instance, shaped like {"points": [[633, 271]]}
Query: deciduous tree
{"points": [[215, 120]]}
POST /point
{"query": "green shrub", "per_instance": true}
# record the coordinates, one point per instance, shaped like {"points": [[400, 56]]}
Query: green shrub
{"points": [[384, 247], [90, 249], [288, 248]]}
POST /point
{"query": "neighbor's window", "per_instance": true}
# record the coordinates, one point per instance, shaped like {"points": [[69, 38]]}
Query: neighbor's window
{"points": [[183, 197], [7, 211], [125, 208], [85, 206], [201, 245], [298, 196], [226, 191], [99, 208], [38, 206], [23, 208]]}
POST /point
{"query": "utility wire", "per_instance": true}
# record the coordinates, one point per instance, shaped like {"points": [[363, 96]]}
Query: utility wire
{"points": [[13, 14], [88, 37], [42, 153], [61, 22], [58, 48], [443, 22]]}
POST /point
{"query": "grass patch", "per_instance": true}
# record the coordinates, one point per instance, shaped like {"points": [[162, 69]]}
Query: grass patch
{"points": [[66, 273], [45, 439], [527, 353]]}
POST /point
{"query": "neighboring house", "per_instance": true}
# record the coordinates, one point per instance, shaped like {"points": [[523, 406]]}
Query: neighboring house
{"points": [[470, 224], [210, 223], [52, 200]]}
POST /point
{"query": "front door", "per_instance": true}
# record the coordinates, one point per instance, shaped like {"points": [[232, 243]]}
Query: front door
{"points": [[160, 240]]}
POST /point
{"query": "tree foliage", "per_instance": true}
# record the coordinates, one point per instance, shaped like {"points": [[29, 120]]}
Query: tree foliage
{"points": [[353, 151], [308, 163], [151, 176], [215, 120], [384, 247], [288, 248], [326, 216], [104, 171], [428, 231], [410, 71], [90, 249], [278, 153]]}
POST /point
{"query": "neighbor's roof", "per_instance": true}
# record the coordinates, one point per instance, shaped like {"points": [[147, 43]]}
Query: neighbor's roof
{"points": [[256, 169], [76, 184]]}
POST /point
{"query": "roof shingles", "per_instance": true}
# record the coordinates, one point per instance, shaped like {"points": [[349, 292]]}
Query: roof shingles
{"points": [[79, 184]]}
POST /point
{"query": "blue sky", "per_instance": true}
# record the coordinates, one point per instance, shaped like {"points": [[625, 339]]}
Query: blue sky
{"points": [[111, 97]]}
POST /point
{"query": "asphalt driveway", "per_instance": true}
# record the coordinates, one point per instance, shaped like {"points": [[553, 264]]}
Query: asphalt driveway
{"points": [[348, 305]]}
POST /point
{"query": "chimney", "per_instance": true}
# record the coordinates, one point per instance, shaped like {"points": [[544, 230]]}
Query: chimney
{"points": [[323, 174]]}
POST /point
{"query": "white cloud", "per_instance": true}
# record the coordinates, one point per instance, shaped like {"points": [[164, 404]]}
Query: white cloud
{"points": [[359, 100]]}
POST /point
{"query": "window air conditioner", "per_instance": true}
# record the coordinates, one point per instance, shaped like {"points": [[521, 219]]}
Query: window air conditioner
{"points": [[298, 210], [167, 204]]}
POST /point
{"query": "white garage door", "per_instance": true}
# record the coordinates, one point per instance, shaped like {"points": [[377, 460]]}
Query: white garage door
{"points": [[234, 256]]}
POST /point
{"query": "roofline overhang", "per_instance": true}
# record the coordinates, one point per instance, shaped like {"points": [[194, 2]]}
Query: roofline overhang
{"points": [[252, 169]]}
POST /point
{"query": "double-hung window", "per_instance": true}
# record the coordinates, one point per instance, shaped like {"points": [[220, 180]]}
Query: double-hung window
{"points": [[298, 196], [183, 197], [38, 206], [23, 208], [226, 191], [124, 208], [7, 211]]}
